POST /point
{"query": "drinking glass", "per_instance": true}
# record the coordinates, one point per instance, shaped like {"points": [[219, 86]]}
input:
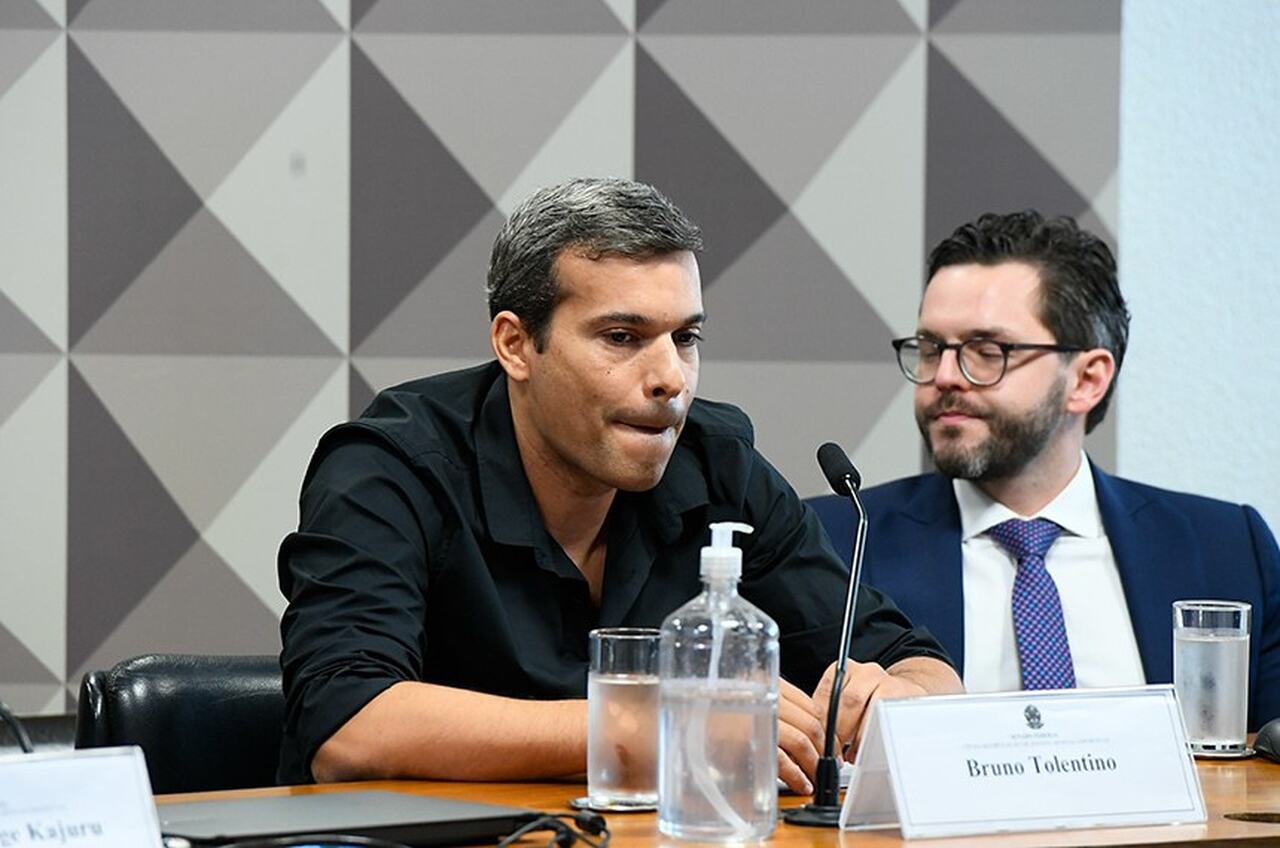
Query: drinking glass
{"points": [[622, 719], [1211, 673]]}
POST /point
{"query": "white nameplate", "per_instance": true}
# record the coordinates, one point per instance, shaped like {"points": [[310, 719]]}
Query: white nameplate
{"points": [[970, 764], [95, 798]]}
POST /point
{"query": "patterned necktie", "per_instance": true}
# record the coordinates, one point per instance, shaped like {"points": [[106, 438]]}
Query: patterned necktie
{"points": [[1043, 651]]}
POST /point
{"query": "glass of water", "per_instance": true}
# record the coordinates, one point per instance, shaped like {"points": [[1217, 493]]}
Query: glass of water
{"points": [[622, 719], [1211, 673]]}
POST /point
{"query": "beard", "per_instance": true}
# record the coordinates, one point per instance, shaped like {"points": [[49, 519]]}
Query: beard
{"points": [[1012, 441]]}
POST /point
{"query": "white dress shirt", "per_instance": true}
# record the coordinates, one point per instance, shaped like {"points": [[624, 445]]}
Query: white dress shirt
{"points": [[1103, 648]]}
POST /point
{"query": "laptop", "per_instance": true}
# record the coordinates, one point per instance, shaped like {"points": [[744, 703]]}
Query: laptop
{"points": [[414, 820]]}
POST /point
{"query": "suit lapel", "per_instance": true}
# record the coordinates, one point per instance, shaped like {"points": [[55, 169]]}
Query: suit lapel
{"points": [[1158, 558]]}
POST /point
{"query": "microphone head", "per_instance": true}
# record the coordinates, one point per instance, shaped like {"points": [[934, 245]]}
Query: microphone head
{"points": [[837, 468]]}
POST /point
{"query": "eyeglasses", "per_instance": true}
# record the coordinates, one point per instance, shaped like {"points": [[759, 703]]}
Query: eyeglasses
{"points": [[983, 362]]}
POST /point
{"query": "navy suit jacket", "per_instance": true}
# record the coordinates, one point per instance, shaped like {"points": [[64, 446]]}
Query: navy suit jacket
{"points": [[1168, 546]]}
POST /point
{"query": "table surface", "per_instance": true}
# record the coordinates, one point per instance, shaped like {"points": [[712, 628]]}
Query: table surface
{"points": [[1240, 786]]}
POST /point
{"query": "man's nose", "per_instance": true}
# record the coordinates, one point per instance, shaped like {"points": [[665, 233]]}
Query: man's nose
{"points": [[665, 376], [949, 375]]}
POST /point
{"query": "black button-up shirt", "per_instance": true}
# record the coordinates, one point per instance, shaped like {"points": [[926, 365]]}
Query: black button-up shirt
{"points": [[421, 555]]}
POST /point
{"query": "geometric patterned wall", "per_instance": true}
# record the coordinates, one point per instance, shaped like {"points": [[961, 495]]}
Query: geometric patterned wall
{"points": [[222, 225]]}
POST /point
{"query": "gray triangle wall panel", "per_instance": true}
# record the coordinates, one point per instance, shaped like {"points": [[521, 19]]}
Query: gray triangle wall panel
{"points": [[492, 16], [74, 8], [770, 17], [845, 73], [20, 375], [205, 294], [204, 16], [19, 665], [25, 14], [125, 200], [360, 10], [978, 163], [18, 334], [199, 607], [124, 530], [446, 315], [938, 11], [1027, 16], [19, 49], [787, 281], [410, 199], [359, 392], [645, 10], [679, 151]]}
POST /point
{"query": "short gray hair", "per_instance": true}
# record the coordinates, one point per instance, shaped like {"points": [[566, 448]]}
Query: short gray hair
{"points": [[598, 216]]}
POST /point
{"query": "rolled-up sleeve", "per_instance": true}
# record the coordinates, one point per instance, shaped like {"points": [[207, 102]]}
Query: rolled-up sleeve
{"points": [[355, 577]]}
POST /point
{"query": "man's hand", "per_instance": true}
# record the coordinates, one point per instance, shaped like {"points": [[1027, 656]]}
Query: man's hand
{"points": [[800, 737], [864, 683]]}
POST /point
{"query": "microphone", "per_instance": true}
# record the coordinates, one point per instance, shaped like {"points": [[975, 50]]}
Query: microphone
{"points": [[839, 471], [824, 810], [15, 726]]}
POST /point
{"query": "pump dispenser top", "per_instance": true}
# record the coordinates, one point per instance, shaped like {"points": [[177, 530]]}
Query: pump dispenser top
{"points": [[721, 560]]}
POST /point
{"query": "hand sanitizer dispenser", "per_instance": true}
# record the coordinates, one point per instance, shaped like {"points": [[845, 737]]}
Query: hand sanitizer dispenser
{"points": [[718, 708]]}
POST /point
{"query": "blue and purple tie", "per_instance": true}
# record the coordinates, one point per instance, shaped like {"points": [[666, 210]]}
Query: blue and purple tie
{"points": [[1044, 653]]}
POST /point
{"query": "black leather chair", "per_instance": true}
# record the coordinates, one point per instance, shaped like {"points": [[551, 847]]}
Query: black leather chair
{"points": [[204, 722]]}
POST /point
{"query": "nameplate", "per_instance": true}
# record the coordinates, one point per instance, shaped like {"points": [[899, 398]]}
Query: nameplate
{"points": [[1017, 761], [95, 798]]}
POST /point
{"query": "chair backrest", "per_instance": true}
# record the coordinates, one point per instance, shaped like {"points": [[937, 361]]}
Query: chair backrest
{"points": [[204, 722]]}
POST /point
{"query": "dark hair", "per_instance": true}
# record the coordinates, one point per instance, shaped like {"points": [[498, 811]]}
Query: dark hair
{"points": [[1080, 300], [600, 217]]}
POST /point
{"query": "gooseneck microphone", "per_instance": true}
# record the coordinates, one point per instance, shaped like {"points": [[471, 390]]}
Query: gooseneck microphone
{"points": [[15, 726], [824, 810]]}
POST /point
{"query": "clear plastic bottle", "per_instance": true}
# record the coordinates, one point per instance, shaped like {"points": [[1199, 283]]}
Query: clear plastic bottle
{"points": [[718, 708]]}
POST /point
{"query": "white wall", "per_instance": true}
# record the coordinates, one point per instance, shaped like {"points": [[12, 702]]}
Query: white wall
{"points": [[1199, 399]]}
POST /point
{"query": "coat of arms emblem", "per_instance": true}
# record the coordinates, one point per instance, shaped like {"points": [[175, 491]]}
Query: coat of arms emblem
{"points": [[1032, 715]]}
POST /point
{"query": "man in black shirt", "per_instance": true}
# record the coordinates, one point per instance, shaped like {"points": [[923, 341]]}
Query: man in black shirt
{"points": [[459, 540]]}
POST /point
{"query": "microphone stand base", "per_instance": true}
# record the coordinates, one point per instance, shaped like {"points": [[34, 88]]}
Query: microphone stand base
{"points": [[814, 815]]}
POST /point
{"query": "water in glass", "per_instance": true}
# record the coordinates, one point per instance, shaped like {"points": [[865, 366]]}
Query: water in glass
{"points": [[622, 739], [1211, 674]]}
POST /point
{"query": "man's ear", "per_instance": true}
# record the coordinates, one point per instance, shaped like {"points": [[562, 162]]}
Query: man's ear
{"points": [[512, 345], [1092, 373]]}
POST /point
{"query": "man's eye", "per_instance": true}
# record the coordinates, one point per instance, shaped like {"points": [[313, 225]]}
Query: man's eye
{"points": [[688, 338], [989, 351], [620, 337]]}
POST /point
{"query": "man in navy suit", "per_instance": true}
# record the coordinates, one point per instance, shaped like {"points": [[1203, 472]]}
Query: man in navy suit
{"points": [[1031, 565]]}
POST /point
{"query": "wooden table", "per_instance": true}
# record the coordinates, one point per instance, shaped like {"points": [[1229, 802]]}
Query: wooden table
{"points": [[1247, 786]]}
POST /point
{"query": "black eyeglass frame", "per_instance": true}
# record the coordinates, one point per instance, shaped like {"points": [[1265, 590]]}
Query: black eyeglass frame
{"points": [[1005, 348]]}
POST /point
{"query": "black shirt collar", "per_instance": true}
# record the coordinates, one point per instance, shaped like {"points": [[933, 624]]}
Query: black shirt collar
{"points": [[510, 511], [683, 487]]}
